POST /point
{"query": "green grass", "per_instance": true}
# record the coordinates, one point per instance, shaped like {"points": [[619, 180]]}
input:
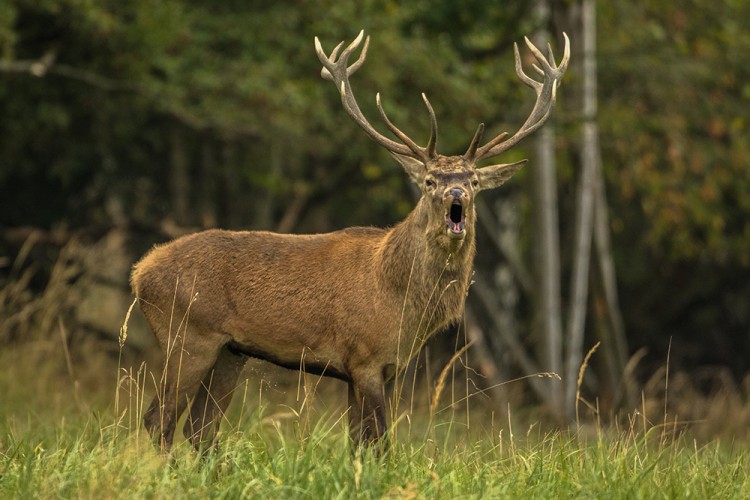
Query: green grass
{"points": [[60, 438], [86, 462]]}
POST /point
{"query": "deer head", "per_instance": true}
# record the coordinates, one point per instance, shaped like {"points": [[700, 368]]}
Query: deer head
{"points": [[449, 183]]}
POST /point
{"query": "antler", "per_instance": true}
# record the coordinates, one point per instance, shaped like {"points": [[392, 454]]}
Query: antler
{"points": [[337, 70], [546, 92]]}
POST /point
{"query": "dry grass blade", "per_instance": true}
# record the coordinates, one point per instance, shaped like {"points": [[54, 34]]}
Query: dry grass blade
{"points": [[124, 328], [443, 376], [581, 372]]}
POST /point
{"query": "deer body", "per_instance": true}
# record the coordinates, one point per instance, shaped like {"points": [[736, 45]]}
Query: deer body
{"points": [[354, 304], [332, 301]]}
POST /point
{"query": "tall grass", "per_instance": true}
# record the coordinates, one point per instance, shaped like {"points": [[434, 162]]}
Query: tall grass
{"points": [[52, 445], [80, 458]]}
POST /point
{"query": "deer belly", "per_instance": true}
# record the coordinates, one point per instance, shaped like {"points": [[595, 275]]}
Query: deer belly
{"points": [[296, 343]]}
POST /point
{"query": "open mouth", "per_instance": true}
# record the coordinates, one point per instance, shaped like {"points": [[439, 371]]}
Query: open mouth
{"points": [[456, 219]]}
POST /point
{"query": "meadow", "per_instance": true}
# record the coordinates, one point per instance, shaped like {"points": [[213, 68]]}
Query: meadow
{"points": [[70, 427]]}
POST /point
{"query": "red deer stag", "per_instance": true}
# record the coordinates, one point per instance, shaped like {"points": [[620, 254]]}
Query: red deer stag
{"points": [[354, 304]]}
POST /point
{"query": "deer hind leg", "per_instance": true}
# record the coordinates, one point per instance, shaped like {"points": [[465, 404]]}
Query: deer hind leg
{"points": [[367, 412], [188, 358], [213, 398]]}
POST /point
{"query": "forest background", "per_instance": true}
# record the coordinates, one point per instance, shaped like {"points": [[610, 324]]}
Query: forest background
{"points": [[126, 124]]}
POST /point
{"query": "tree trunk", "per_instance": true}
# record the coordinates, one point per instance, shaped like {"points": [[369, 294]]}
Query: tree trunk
{"points": [[527, 364], [504, 235], [584, 212], [617, 345], [548, 244]]}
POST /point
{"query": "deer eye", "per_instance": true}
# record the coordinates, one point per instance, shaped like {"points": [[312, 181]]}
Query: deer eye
{"points": [[429, 183]]}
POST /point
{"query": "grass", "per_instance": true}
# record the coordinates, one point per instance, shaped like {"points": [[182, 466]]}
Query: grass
{"points": [[63, 439], [85, 462]]}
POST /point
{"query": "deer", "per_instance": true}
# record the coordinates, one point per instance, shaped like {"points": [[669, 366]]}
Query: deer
{"points": [[355, 304]]}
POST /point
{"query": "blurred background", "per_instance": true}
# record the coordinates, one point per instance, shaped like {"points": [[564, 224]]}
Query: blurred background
{"points": [[126, 124]]}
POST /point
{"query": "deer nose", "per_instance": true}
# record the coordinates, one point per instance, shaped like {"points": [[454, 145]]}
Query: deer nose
{"points": [[456, 192]]}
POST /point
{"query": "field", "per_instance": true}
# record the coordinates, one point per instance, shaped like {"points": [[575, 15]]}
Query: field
{"points": [[65, 431]]}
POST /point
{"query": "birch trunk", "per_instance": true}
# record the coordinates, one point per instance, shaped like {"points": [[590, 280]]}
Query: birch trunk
{"points": [[548, 244], [584, 212]]}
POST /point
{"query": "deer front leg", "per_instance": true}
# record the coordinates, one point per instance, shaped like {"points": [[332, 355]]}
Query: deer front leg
{"points": [[186, 364], [212, 400], [367, 415], [355, 415]]}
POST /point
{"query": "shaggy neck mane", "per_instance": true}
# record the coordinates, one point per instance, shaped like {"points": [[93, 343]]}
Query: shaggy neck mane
{"points": [[429, 268]]}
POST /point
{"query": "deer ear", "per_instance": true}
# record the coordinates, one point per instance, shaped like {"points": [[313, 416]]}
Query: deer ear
{"points": [[415, 168], [496, 175]]}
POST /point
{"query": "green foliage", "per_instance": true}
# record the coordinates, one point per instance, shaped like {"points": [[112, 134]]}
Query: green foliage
{"points": [[674, 117], [678, 116], [239, 76]]}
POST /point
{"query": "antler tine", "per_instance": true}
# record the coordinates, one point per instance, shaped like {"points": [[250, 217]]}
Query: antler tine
{"points": [[361, 59], [424, 154], [432, 143], [325, 72], [546, 93], [539, 56], [337, 70], [492, 143], [321, 55], [418, 151], [519, 68], [472, 151], [566, 55], [336, 49], [551, 55]]}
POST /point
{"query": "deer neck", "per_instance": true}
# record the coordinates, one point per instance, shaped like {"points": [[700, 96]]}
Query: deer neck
{"points": [[422, 262]]}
